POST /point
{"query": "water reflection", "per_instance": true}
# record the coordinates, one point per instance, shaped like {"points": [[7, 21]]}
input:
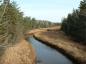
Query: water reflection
{"points": [[47, 55]]}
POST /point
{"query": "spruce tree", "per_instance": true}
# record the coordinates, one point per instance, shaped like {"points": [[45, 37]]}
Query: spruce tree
{"points": [[11, 24], [75, 24]]}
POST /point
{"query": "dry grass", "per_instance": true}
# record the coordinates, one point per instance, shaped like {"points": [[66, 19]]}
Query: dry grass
{"points": [[21, 53], [62, 42], [42, 30]]}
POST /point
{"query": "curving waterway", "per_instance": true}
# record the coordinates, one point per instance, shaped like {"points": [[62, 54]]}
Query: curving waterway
{"points": [[47, 55]]}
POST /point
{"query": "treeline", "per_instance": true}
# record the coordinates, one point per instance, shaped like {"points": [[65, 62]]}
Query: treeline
{"points": [[32, 23], [13, 24], [75, 23]]}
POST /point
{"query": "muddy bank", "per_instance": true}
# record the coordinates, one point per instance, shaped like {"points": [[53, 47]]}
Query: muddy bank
{"points": [[20, 53], [57, 40]]}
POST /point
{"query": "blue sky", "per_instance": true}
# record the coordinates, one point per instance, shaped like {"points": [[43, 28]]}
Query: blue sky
{"points": [[52, 10]]}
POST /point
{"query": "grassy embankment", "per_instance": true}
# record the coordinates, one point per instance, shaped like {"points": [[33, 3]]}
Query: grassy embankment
{"points": [[20, 53], [58, 40]]}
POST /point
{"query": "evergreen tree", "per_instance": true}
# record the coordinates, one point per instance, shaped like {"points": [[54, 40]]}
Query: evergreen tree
{"points": [[11, 24], [75, 24], [83, 7]]}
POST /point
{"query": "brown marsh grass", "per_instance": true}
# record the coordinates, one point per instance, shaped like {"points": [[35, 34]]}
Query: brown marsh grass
{"points": [[21, 53]]}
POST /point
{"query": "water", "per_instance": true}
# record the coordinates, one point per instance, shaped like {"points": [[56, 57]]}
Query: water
{"points": [[48, 55]]}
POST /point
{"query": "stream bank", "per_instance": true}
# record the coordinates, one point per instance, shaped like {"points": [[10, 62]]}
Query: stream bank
{"points": [[20, 53], [47, 55], [56, 39]]}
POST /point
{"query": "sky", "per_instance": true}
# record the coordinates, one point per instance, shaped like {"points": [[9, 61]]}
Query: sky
{"points": [[51, 10]]}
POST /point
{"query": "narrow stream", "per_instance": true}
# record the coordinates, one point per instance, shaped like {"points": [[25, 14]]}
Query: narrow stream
{"points": [[48, 55]]}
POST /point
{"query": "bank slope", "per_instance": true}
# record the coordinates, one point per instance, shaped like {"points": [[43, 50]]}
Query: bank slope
{"points": [[21, 53], [61, 42]]}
